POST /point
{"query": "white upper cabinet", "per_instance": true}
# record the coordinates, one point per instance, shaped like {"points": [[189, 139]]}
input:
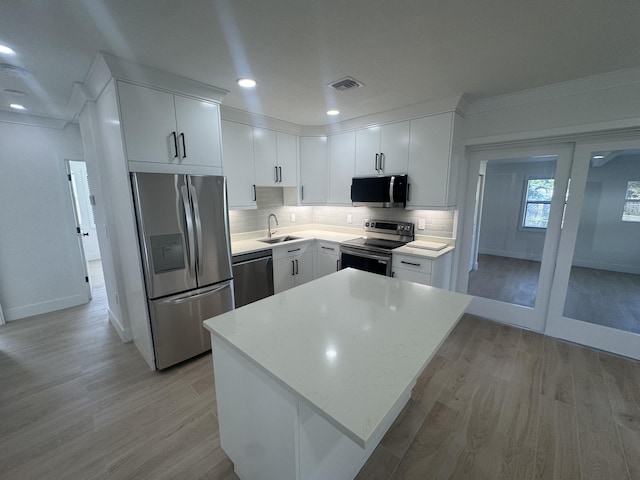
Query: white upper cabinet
{"points": [[342, 155], [164, 128], [276, 158], [433, 166], [313, 170], [382, 149], [237, 149]]}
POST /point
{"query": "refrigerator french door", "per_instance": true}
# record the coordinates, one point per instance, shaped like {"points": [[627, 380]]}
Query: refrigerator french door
{"points": [[183, 228]]}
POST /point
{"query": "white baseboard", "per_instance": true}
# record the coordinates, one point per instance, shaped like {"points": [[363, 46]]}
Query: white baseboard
{"points": [[123, 333], [16, 313]]}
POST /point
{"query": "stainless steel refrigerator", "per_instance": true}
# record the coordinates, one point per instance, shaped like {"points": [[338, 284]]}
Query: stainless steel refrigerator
{"points": [[183, 226]]}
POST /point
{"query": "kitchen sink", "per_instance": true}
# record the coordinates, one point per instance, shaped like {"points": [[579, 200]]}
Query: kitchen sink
{"points": [[273, 240]]}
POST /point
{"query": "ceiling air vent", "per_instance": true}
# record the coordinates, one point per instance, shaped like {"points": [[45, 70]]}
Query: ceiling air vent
{"points": [[346, 83]]}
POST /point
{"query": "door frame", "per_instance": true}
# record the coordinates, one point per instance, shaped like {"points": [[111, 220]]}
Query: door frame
{"points": [[597, 336], [518, 315]]}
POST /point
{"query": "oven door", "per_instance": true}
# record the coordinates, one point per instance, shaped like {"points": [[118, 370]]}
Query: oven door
{"points": [[364, 260]]}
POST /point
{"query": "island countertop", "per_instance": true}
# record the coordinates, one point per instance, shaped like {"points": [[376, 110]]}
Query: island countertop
{"points": [[348, 344]]}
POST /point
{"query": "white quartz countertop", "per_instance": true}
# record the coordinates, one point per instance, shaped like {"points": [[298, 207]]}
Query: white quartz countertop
{"points": [[349, 344], [421, 252], [245, 246]]}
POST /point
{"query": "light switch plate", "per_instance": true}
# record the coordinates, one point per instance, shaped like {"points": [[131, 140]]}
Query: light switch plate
{"points": [[349, 218], [421, 224], [293, 217]]}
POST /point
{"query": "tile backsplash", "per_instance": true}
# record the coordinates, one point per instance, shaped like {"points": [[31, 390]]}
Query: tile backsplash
{"points": [[438, 223]]}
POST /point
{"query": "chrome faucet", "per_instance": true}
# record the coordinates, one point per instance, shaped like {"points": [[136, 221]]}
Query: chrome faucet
{"points": [[269, 232]]}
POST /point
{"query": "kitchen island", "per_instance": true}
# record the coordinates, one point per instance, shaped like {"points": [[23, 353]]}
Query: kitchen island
{"points": [[309, 380]]}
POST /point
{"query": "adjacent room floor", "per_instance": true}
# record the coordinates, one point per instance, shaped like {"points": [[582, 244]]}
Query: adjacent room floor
{"points": [[495, 402], [596, 296]]}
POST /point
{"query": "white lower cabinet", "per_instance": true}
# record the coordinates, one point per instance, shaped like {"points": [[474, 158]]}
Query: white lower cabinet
{"points": [[327, 258], [292, 265], [418, 269]]}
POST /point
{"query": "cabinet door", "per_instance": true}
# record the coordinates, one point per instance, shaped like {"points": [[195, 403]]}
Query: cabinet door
{"points": [[367, 147], [394, 145], [326, 263], [313, 170], [304, 268], [237, 149], [429, 160], [283, 274], [148, 121], [342, 151], [264, 148], [287, 159], [199, 132]]}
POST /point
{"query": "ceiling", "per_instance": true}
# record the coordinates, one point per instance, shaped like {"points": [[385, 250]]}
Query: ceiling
{"points": [[404, 51]]}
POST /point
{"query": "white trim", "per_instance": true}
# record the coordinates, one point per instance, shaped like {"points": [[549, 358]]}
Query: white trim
{"points": [[24, 311], [2, 320], [124, 333]]}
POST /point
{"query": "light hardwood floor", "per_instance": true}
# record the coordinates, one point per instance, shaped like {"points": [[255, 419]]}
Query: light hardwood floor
{"points": [[495, 402]]}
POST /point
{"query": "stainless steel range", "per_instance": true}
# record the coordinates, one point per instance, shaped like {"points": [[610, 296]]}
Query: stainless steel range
{"points": [[372, 252]]}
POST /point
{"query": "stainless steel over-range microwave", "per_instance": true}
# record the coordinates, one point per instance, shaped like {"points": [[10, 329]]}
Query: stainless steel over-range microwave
{"points": [[380, 191]]}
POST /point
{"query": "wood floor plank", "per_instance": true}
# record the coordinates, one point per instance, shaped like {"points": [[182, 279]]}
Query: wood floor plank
{"points": [[557, 379], [557, 453], [379, 466], [601, 452], [520, 416], [500, 360], [428, 451]]}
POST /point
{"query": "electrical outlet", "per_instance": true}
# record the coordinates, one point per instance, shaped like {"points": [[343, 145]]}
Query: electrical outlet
{"points": [[421, 224], [349, 218], [293, 217]]}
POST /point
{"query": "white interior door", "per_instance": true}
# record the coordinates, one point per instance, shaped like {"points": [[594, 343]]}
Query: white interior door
{"points": [[596, 296], [518, 230], [84, 209]]}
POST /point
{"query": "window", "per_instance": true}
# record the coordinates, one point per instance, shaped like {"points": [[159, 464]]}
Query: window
{"points": [[631, 211], [537, 202]]}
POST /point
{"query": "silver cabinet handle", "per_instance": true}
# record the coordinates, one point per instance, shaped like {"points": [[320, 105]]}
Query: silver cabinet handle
{"points": [[294, 250], [410, 263], [337, 265], [296, 266], [301, 192], [382, 162], [327, 248], [377, 160], [280, 174], [293, 268], [275, 174], [255, 196]]}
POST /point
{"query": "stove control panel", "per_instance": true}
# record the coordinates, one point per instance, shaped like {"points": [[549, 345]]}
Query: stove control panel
{"points": [[390, 227]]}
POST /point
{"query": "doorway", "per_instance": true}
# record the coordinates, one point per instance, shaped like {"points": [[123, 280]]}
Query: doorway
{"points": [[83, 205], [518, 196]]}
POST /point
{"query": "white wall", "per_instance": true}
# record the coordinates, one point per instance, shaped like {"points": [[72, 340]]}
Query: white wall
{"points": [[604, 240], [500, 232], [40, 265]]}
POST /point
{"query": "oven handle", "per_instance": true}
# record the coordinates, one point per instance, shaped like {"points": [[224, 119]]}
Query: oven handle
{"points": [[360, 253]]}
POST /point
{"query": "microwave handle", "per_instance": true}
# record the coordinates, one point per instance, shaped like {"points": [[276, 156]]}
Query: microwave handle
{"points": [[408, 192], [391, 182]]}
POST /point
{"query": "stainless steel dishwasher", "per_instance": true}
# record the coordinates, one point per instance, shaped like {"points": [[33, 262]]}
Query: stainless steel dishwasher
{"points": [[252, 276]]}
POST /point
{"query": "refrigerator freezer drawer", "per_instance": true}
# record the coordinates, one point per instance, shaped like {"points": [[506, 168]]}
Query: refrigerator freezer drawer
{"points": [[176, 322]]}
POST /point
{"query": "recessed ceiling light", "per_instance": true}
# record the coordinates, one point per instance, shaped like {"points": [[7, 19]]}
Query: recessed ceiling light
{"points": [[598, 157], [333, 112], [6, 50], [17, 106], [246, 82]]}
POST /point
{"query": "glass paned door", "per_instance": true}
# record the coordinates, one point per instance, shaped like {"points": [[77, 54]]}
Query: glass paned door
{"points": [[514, 236], [597, 302]]}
